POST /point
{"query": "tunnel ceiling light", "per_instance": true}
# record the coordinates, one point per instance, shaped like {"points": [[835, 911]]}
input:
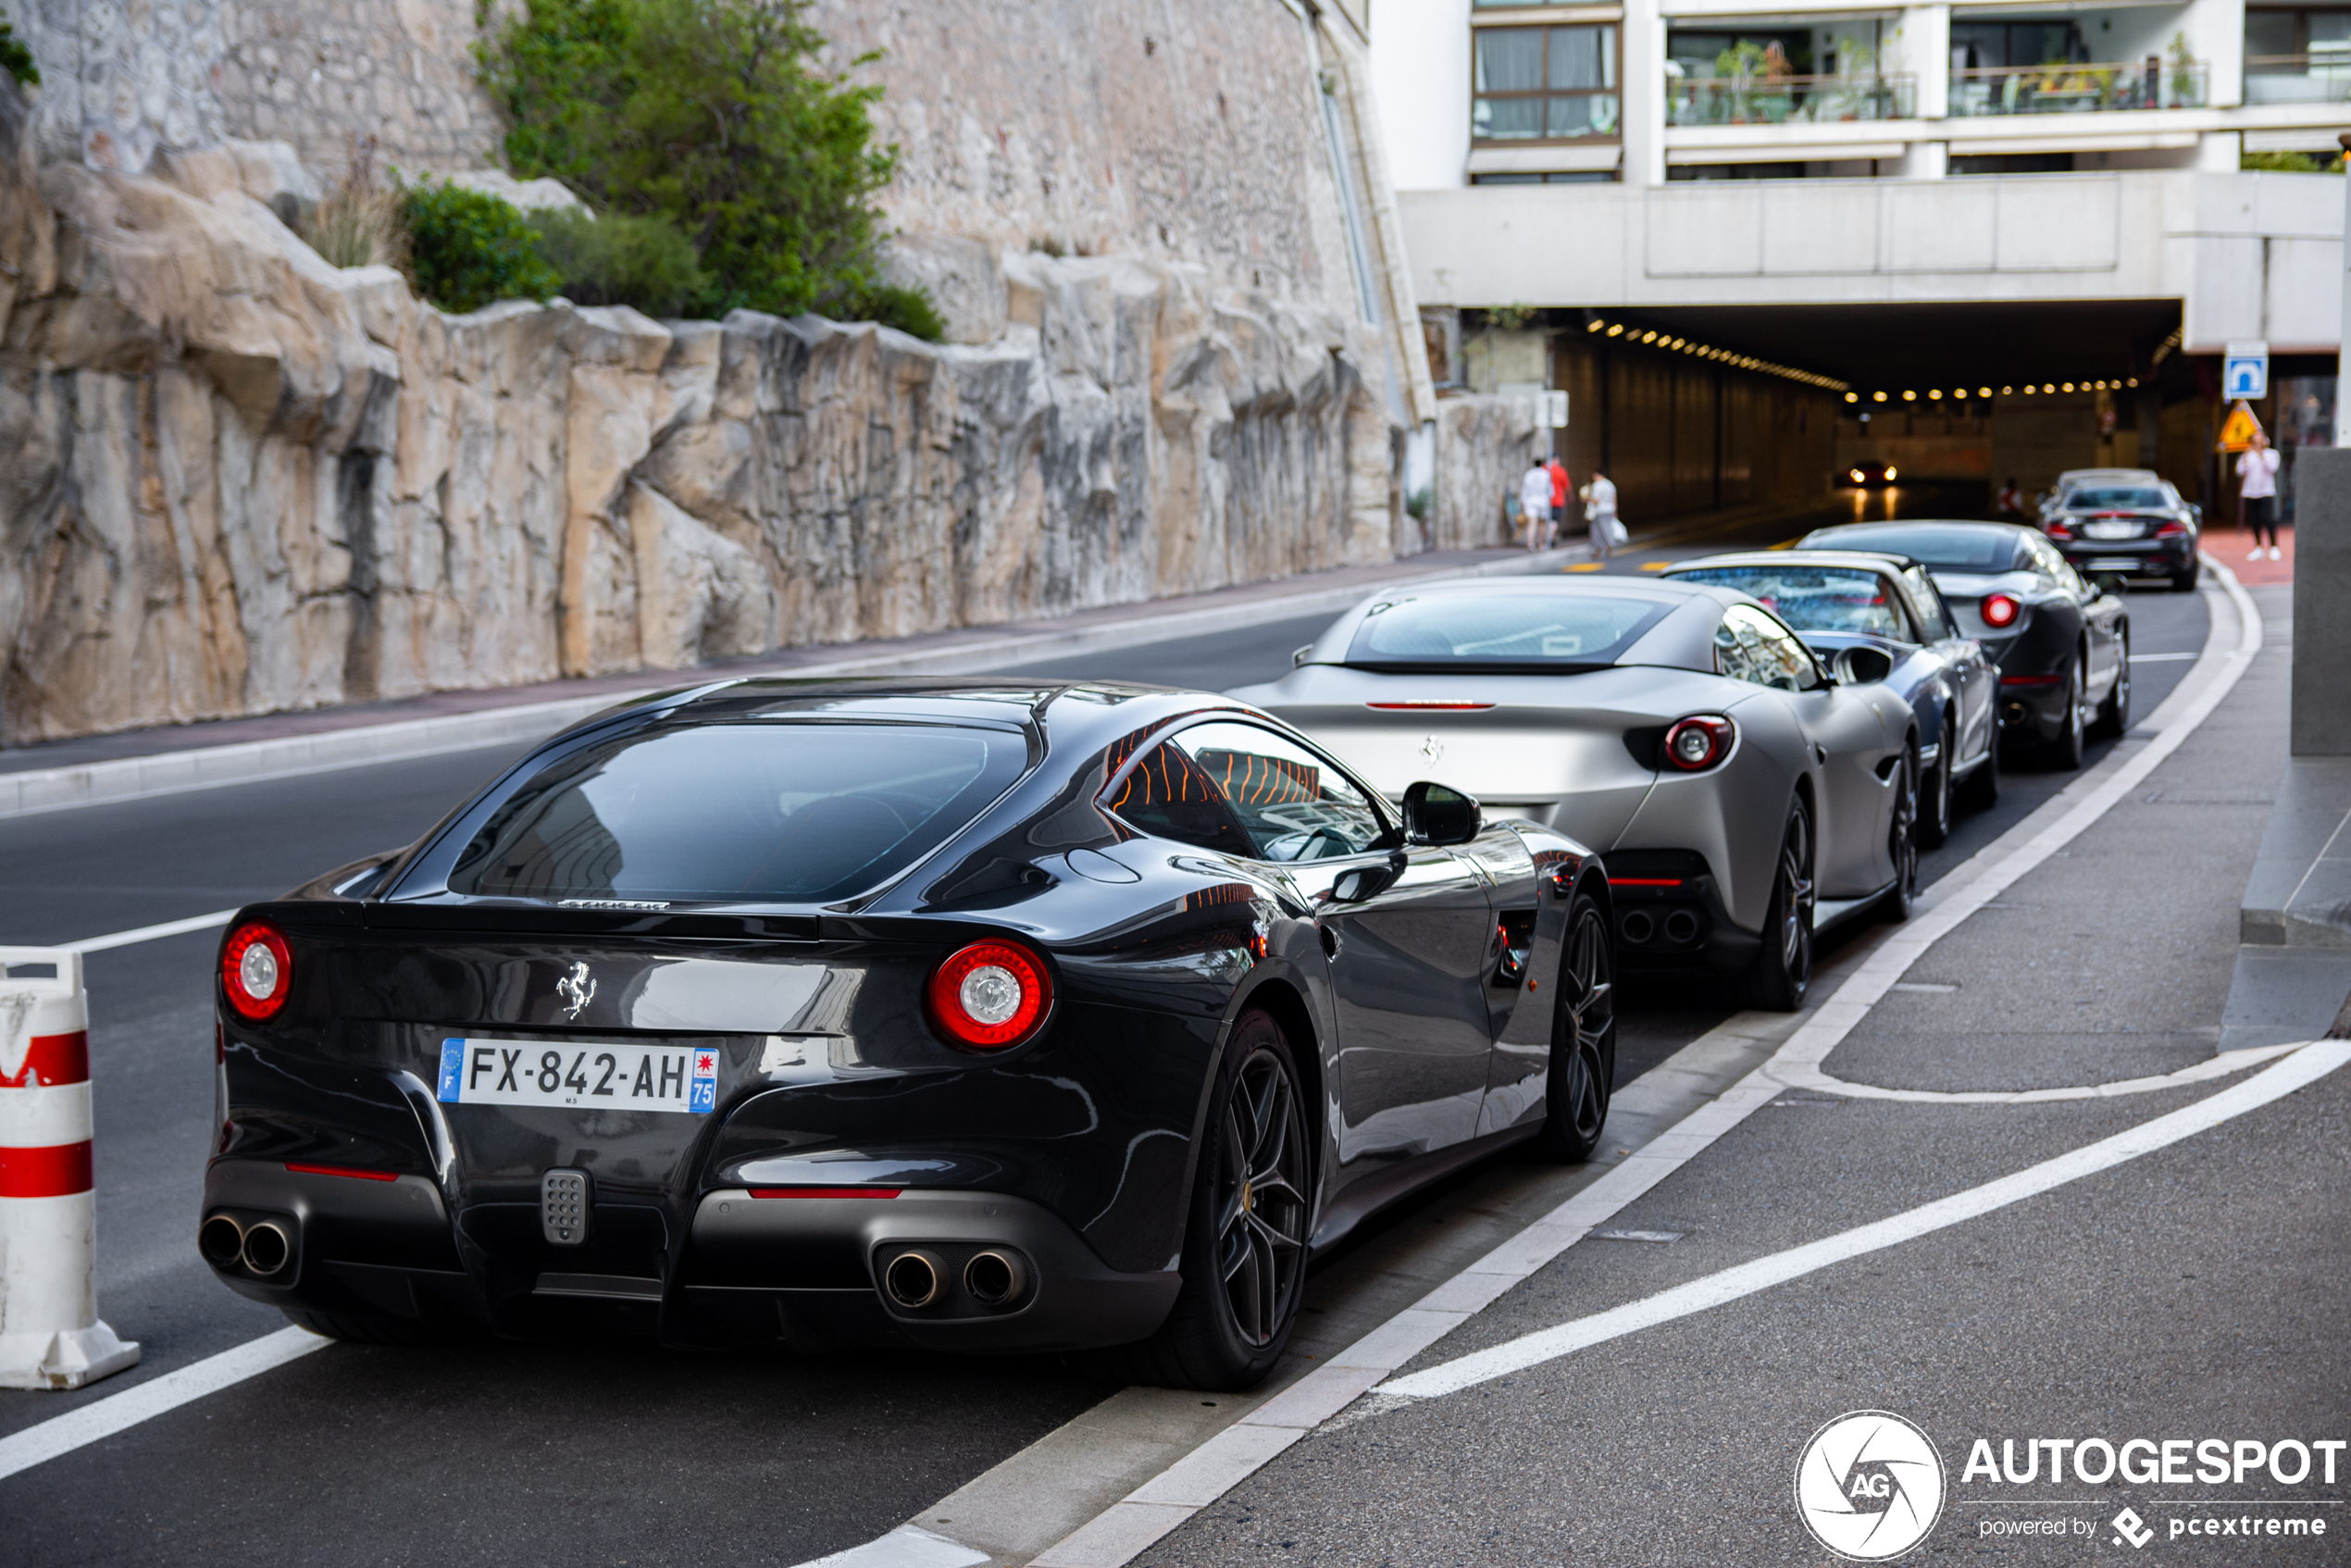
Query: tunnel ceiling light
{"points": [[1984, 391], [1852, 397], [1594, 326], [1615, 330], [2066, 387], [2048, 386], [1935, 395], [2007, 391], [1877, 397], [1648, 337], [1910, 397], [2133, 381]]}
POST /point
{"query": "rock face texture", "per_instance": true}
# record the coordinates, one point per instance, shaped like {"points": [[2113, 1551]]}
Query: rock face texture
{"points": [[235, 480]]}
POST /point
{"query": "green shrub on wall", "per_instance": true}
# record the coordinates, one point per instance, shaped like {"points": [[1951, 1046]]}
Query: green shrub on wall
{"points": [[16, 59], [468, 249], [716, 115], [622, 259]]}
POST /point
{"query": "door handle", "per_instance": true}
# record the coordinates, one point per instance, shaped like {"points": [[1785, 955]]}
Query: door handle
{"points": [[1330, 941]]}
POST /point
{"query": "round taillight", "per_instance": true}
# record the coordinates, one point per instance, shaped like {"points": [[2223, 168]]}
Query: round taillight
{"points": [[255, 971], [990, 995], [1999, 610], [1697, 745]]}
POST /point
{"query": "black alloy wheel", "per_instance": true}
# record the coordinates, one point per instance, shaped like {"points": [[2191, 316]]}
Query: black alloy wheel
{"points": [[1902, 842], [1934, 815], [2114, 713], [1782, 972], [1244, 1258], [2185, 582], [2065, 751], [1583, 1075]]}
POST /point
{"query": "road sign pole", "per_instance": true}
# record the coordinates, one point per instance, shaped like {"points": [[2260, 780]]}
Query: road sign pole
{"points": [[2343, 333]]}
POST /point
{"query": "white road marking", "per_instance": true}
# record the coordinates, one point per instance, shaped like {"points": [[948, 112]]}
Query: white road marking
{"points": [[117, 1413], [2309, 1064], [2161, 658], [150, 933]]}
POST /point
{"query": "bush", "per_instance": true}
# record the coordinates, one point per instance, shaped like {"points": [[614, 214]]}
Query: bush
{"points": [[909, 310], [469, 249], [358, 223], [16, 59], [2291, 163], [715, 115], [622, 259]]}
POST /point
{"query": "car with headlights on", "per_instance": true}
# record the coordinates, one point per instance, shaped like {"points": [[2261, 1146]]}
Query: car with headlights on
{"points": [[994, 1016], [1881, 618], [1872, 474], [1742, 796], [2062, 644], [2127, 523]]}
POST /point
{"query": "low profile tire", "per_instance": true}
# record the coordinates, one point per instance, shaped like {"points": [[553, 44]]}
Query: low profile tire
{"points": [[1935, 805], [1583, 1075], [1981, 790], [1782, 972], [2065, 753], [1902, 843], [2114, 713], [2185, 581], [1244, 1258], [357, 1330]]}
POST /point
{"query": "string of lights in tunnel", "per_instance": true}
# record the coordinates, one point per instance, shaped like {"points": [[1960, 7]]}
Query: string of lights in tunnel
{"points": [[1667, 341], [1936, 395]]}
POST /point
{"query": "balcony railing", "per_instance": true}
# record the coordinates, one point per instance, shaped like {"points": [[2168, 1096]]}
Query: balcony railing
{"points": [[2298, 78], [2050, 90], [1788, 100]]}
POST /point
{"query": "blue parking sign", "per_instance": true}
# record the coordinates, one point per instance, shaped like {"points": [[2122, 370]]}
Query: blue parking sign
{"points": [[2245, 372]]}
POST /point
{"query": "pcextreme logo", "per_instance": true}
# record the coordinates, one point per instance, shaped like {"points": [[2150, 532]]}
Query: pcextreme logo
{"points": [[1869, 1486]]}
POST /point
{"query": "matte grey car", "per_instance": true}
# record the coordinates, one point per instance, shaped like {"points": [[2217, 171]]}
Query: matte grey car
{"points": [[1740, 795]]}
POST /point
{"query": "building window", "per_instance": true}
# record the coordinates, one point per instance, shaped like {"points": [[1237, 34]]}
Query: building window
{"points": [[1544, 83], [1556, 177], [2297, 55]]}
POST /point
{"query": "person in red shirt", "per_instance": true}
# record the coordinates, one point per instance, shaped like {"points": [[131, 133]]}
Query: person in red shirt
{"points": [[1561, 488]]}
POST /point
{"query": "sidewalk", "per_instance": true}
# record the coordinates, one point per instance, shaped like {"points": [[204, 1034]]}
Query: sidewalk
{"points": [[134, 763]]}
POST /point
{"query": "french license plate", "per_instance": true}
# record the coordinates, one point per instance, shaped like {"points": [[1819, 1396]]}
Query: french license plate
{"points": [[2115, 564], [2111, 531], [579, 1076]]}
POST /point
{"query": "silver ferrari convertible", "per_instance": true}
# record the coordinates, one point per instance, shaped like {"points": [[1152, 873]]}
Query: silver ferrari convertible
{"points": [[1742, 798]]}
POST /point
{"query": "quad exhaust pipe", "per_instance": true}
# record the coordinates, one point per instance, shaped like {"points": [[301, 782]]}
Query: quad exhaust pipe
{"points": [[914, 1281], [263, 1247], [995, 1279]]}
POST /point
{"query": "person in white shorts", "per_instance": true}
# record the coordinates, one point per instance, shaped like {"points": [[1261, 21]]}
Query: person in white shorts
{"points": [[2257, 487], [1535, 501], [1599, 506]]}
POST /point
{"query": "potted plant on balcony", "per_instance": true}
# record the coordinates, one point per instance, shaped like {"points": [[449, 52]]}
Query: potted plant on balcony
{"points": [[2183, 68], [1740, 65]]}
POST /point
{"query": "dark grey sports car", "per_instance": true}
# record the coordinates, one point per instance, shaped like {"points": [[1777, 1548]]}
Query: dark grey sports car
{"points": [[1012, 1016], [2063, 644]]}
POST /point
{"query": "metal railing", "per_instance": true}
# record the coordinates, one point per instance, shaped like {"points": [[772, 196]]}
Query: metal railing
{"points": [[2297, 79], [2085, 89], [1788, 100]]}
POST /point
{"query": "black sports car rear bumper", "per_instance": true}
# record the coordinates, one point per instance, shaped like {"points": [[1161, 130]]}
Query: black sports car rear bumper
{"points": [[751, 1270], [2132, 557]]}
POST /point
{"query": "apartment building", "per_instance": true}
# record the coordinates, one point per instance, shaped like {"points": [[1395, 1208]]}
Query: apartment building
{"points": [[1792, 213]]}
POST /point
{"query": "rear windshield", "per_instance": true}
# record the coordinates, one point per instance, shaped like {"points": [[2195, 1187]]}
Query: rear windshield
{"points": [[1502, 629], [1813, 598], [2135, 498], [772, 813], [1941, 548]]}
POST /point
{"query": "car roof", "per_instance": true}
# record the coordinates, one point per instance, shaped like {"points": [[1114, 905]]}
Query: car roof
{"points": [[1878, 560], [1683, 638], [2015, 532], [2109, 476]]}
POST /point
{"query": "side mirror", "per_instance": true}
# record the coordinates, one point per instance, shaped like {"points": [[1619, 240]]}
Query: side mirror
{"points": [[1858, 666], [1438, 814], [1361, 882]]}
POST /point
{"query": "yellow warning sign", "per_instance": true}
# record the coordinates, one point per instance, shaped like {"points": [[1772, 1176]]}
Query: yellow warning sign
{"points": [[2241, 426]]}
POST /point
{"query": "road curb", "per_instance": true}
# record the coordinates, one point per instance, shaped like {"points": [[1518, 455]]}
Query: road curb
{"points": [[205, 767]]}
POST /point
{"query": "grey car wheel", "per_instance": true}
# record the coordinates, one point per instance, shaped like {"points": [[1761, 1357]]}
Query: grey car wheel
{"points": [[2065, 751], [1583, 1035], [1935, 811], [2114, 713], [1902, 842], [1782, 972]]}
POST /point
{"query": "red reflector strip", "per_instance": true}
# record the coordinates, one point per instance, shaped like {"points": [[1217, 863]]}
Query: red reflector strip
{"points": [[58, 1171], [352, 1171], [1645, 881], [54, 1059], [2030, 679], [1431, 707], [824, 1191]]}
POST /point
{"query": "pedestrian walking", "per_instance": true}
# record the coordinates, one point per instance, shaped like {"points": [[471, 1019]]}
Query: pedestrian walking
{"points": [[2257, 494], [1535, 502], [1600, 510], [1562, 487]]}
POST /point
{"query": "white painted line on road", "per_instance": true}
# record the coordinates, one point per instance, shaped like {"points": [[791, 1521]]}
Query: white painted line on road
{"points": [[908, 1546], [2161, 658], [150, 933], [117, 1413], [2309, 1064], [2211, 1067]]}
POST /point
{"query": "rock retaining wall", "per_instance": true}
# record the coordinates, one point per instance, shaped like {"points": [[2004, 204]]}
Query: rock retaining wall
{"points": [[234, 479]]}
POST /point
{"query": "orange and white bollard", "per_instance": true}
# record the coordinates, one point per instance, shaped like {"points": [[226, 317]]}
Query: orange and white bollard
{"points": [[50, 1336]]}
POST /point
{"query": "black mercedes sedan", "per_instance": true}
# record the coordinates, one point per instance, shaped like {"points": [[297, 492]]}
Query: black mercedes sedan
{"points": [[1010, 1016], [2062, 644], [2127, 523]]}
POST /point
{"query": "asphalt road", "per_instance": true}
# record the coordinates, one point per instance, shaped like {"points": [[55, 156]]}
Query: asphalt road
{"points": [[619, 1452]]}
